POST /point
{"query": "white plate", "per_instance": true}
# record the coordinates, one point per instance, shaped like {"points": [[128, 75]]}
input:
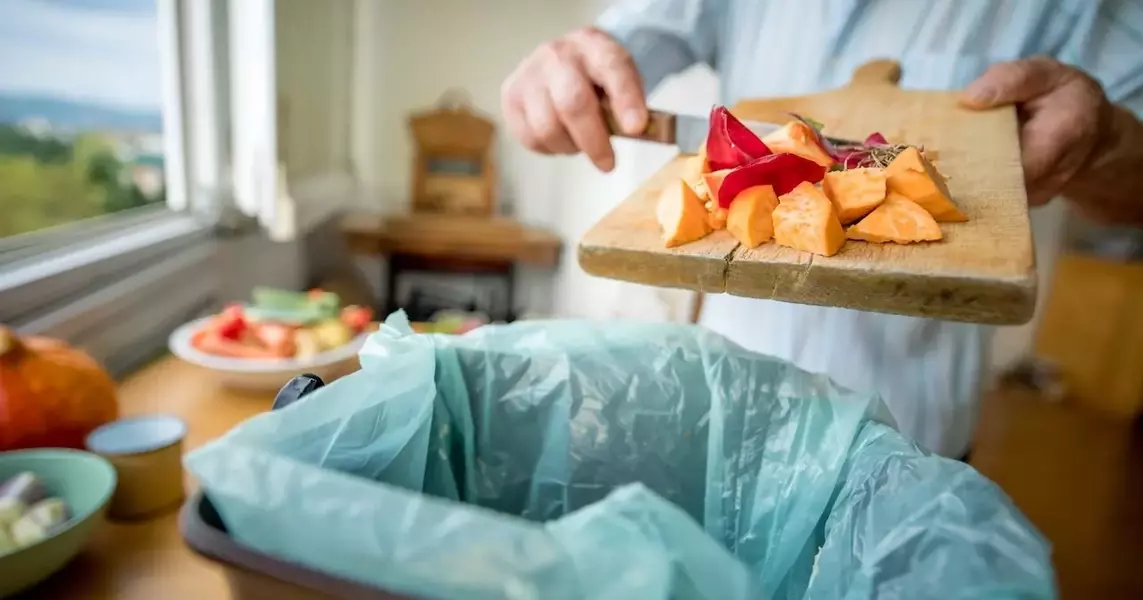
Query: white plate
{"points": [[264, 374]]}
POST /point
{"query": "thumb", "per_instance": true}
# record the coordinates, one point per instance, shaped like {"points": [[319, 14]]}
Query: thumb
{"points": [[1013, 82]]}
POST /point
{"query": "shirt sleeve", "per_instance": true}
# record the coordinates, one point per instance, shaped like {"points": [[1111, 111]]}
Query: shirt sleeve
{"points": [[665, 36], [1106, 41]]}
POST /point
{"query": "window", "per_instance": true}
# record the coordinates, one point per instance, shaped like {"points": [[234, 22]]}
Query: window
{"points": [[102, 240], [81, 130], [140, 138]]}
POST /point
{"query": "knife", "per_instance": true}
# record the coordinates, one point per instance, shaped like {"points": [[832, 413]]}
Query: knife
{"points": [[687, 132]]}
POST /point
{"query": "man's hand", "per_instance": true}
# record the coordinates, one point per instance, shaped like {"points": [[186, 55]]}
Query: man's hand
{"points": [[1064, 119], [551, 104]]}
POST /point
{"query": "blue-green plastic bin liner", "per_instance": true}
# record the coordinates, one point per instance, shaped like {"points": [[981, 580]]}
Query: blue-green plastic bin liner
{"points": [[611, 461]]}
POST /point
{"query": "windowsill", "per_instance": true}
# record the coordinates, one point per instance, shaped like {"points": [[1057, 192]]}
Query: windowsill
{"points": [[37, 243], [132, 236], [62, 273]]}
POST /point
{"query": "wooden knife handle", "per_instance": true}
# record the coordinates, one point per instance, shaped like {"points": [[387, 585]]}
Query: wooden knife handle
{"points": [[660, 125]]}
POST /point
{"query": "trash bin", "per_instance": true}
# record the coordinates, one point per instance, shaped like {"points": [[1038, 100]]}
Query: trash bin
{"points": [[591, 461]]}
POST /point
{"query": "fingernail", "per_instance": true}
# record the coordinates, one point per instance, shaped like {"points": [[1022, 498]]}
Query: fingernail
{"points": [[633, 121], [606, 165]]}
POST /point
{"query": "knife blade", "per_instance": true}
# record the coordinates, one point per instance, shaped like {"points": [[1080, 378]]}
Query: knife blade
{"points": [[687, 132]]}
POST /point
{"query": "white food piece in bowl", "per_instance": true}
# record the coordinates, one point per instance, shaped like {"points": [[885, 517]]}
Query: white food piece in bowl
{"points": [[27, 531], [49, 513], [7, 544], [11, 509]]}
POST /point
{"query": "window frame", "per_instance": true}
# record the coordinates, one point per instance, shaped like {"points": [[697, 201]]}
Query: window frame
{"points": [[117, 285], [54, 280], [81, 233], [190, 94]]}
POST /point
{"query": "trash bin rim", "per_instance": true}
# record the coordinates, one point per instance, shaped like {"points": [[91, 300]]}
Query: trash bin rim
{"points": [[215, 544]]}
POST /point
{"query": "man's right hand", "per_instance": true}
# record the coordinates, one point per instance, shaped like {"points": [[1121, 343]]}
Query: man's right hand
{"points": [[551, 104]]}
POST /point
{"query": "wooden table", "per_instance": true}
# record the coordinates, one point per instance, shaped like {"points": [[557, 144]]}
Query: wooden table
{"points": [[147, 560], [446, 243], [1077, 476]]}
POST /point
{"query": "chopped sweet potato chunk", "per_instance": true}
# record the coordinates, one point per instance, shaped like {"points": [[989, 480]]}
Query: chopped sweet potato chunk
{"points": [[681, 215], [806, 220], [798, 138], [692, 168], [749, 219], [915, 178], [898, 220], [855, 193], [716, 218], [713, 180]]}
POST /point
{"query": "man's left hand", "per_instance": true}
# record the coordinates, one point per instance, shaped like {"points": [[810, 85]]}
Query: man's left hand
{"points": [[1064, 117]]}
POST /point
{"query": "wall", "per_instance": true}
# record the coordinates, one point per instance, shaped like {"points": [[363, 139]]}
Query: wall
{"points": [[416, 50], [315, 61], [420, 50], [314, 53], [409, 54]]}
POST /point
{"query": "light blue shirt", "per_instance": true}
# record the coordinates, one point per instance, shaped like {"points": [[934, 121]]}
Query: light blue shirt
{"points": [[930, 373]]}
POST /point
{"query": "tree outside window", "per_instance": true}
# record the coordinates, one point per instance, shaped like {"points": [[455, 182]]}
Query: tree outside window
{"points": [[80, 111]]}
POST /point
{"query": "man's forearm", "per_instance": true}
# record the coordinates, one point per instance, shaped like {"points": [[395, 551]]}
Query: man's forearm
{"points": [[1110, 187]]}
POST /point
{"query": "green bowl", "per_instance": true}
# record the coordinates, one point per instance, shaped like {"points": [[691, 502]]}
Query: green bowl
{"points": [[85, 482]]}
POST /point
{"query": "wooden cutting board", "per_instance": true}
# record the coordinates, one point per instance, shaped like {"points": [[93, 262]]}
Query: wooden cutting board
{"points": [[983, 271]]}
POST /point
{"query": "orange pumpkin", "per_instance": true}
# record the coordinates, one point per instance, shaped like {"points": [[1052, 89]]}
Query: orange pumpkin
{"points": [[51, 395]]}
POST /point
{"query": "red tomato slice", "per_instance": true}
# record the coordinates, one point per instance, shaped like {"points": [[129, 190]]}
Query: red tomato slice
{"points": [[357, 318]]}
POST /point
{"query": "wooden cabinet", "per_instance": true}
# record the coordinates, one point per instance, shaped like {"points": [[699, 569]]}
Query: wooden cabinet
{"points": [[453, 171], [1093, 329]]}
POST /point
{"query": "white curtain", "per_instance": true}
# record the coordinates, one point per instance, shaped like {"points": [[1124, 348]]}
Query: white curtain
{"points": [[253, 101]]}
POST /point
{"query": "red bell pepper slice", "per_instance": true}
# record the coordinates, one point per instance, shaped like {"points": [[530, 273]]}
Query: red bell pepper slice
{"points": [[849, 156], [731, 144], [783, 172], [876, 139]]}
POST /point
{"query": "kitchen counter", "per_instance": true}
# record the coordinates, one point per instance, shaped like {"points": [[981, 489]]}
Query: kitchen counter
{"points": [[147, 560], [1077, 476]]}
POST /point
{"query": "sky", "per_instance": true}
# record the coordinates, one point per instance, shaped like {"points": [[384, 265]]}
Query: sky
{"points": [[101, 51]]}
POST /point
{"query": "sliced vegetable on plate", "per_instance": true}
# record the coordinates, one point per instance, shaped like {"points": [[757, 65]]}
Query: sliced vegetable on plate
{"points": [[281, 324]]}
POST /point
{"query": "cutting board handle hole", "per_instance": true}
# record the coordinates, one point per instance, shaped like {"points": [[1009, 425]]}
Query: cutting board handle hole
{"points": [[877, 72]]}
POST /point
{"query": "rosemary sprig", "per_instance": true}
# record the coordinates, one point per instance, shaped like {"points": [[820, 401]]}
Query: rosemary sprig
{"points": [[881, 156], [873, 156]]}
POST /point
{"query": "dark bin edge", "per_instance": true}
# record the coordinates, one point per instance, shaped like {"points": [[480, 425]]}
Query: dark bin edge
{"points": [[215, 544]]}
